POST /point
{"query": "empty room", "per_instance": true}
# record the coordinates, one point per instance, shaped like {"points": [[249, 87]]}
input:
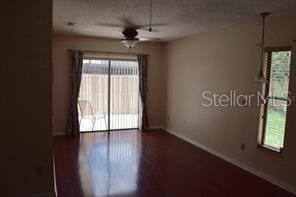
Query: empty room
{"points": [[149, 98]]}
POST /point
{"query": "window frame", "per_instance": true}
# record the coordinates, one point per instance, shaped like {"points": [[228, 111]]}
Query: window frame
{"points": [[265, 90]]}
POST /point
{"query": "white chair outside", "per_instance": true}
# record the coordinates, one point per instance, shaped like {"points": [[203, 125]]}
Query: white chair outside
{"points": [[86, 112]]}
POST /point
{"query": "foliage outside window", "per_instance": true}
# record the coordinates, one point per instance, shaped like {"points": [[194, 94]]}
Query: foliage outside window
{"points": [[274, 111]]}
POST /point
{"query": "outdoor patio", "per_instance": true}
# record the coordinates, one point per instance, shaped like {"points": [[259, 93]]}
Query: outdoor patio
{"points": [[117, 121]]}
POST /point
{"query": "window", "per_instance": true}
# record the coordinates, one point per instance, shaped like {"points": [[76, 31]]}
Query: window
{"points": [[276, 94]]}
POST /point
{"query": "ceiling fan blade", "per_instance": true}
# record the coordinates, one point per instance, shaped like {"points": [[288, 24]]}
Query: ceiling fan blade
{"points": [[109, 25], [148, 29], [152, 25], [151, 28], [149, 39]]}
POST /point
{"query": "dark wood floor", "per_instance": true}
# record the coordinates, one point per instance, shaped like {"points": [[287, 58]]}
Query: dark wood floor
{"points": [[154, 163]]}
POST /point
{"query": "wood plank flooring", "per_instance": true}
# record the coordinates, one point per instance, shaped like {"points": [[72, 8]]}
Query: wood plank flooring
{"points": [[152, 164]]}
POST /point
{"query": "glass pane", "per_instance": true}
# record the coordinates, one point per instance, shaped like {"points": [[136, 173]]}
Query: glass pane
{"points": [[93, 95], [275, 123], [124, 97], [279, 74]]}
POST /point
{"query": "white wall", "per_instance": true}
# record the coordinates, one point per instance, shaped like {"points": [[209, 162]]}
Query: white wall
{"points": [[62, 71], [221, 61], [25, 103]]}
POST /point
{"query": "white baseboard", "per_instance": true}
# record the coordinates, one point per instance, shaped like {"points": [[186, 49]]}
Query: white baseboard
{"points": [[237, 163]]}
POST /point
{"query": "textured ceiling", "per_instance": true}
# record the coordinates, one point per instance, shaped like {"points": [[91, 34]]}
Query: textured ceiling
{"points": [[179, 18]]}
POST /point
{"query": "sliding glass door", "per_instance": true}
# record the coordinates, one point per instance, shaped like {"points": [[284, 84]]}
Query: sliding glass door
{"points": [[93, 95], [109, 95], [124, 97]]}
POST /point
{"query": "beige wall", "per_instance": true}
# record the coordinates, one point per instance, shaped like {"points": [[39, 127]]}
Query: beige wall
{"points": [[61, 84], [179, 71], [25, 102], [221, 61]]}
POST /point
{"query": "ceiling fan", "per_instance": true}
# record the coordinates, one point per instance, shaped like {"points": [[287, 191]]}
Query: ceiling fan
{"points": [[130, 34], [130, 30], [130, 37]]}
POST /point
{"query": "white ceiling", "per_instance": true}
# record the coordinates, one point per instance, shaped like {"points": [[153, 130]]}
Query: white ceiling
{"points": [[181, 17]]}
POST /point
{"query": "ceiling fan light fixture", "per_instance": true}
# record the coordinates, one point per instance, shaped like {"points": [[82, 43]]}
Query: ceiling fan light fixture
{"points": [[129, 43]]}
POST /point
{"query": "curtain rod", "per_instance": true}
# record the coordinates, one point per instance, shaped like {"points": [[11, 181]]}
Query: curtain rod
{"points": [[123, 53]]}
